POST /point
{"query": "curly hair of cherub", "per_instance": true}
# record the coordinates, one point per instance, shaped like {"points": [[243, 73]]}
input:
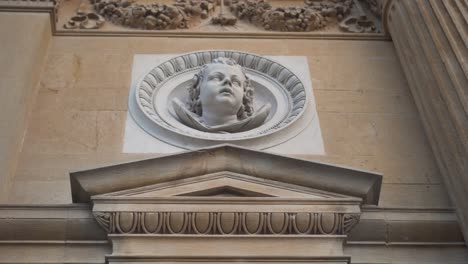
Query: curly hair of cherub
{"points": [[195, 105]]}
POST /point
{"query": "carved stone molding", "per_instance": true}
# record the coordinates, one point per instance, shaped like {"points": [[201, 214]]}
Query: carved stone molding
{"points": [[227, 223], [27, 222], [233, 260], [225, 214], [29, 3], [226, 204], [226, 159], [39, 6]]}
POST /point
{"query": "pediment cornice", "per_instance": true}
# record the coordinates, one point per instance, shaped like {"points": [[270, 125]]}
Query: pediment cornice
{"points": [[221, 184], [261, 165], [221, 198]]}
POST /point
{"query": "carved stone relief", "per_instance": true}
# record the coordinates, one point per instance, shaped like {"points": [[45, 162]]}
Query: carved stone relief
{"points": [[311, 15], [85, 20], [314, 15], [357, 25], [376, 6], [275, 100], [153, 16], [224, 20], [360, 22], [221, 100]]}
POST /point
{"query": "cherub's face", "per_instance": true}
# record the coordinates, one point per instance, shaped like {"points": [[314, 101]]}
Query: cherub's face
{"points": [[222, 89]]}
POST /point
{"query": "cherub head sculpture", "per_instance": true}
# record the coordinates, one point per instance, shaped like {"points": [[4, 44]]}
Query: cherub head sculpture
{"points": [[221, 88], [221, 97]]}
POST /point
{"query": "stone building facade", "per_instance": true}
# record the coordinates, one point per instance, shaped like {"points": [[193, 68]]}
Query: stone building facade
{"points": [[391, 185]]}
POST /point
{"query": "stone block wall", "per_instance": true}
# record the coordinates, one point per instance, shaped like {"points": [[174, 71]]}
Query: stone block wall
{"points": [[24, 43], [367, 115]]}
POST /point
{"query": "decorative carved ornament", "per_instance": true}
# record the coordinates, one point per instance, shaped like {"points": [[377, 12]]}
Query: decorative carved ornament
{"points": [[273, 84], [227, 223], [313, 15], [85, 20]]}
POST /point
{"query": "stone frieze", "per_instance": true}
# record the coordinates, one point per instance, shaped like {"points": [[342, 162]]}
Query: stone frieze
{"points": [[353, 16], [227, 223]]}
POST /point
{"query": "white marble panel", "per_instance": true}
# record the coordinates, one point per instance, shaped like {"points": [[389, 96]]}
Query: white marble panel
{"points": [[307, 142]]}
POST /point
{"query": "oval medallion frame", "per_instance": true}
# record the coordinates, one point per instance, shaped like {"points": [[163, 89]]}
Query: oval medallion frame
{"points": [[150, 107]]}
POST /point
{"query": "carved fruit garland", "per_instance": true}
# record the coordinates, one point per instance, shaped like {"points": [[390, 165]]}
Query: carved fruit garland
{"points": [[313, 15]]}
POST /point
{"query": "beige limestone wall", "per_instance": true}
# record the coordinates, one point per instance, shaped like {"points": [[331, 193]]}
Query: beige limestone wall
{"points": [[367, 115], [24, 43]]}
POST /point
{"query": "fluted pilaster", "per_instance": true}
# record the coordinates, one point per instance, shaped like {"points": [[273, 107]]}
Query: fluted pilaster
{"points": [[431, 39]]}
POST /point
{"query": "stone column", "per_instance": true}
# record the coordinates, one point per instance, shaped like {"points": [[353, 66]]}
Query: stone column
{"points": [[431, 39]]}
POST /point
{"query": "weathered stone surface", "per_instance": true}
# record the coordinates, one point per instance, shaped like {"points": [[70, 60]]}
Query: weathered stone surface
{"points": [[24, 50]]}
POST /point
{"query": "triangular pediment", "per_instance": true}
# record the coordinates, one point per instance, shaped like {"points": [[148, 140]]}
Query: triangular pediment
{"points": [[223, 184], [224, 191], [225, 171]]}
